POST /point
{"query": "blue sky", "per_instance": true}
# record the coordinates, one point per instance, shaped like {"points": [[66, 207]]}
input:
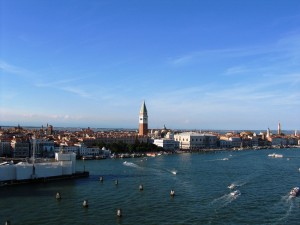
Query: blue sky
{"points": [[213, 64]]}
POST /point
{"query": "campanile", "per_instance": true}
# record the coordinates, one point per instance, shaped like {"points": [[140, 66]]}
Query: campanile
{"points": [[143, 120]]}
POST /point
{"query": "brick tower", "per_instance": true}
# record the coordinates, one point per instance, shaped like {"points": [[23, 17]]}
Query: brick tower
{"points": [[143, 120]]}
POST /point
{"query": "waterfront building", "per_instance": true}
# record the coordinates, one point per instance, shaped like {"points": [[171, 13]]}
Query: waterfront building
{"points": [[224, 143], [195, 141], [143, 120], [277, 140], [236, 141], [84, 151], [167, 144], [80, 149], [292, 141]]}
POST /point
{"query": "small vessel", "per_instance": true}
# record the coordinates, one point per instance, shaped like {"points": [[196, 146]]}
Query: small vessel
{"points": [[294, 192], [231, 186], [85, 204], [274, 155], [174, 172], [235, 193], [58, 196], [172, 193]]}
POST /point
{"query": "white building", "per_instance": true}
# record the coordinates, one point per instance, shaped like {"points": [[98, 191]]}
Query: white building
{"points": [[80, 149], [167, 144], [194, 141]]}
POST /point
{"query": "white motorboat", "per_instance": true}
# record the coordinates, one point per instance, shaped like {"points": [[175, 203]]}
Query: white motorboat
{"points": [[235, 193], [274, 155], [294, 192]]}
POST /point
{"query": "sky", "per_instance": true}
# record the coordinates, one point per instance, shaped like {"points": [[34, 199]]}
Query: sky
{"points": [[198, 64]]}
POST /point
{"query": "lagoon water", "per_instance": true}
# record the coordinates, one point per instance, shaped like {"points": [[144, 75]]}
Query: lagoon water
{"points": [[201, 189]]}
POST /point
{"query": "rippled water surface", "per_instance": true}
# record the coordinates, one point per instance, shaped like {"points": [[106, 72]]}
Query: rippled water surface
{"points": [[201, 189]]}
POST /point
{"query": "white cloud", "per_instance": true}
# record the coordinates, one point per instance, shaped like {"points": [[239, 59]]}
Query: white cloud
{"points": [[9, 68]]}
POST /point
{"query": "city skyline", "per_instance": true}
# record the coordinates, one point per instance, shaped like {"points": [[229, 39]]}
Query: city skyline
{"points": [[198, 65]]}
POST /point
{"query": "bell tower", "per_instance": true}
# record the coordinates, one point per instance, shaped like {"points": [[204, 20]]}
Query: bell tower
{"points": [[143, 120]]}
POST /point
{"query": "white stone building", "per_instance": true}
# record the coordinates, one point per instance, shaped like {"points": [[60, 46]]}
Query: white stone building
{"points": [[194, 141], [166, 143]]}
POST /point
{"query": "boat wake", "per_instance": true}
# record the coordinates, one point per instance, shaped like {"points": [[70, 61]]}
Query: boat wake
{"points": [[130, 164], [226, 199], [286, 202], [287, 205], [223, 159]]}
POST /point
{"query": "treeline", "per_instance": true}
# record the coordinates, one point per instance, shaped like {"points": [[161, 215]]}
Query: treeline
{"points": [[137, 147]]}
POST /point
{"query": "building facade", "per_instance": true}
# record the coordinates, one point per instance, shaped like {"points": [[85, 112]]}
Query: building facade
{"points": [[5, 148], [195, 141], [167, 144], [20, 148]]}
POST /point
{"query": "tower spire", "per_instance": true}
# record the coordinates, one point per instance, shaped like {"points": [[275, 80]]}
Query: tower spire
{"points": [[143, 108]]}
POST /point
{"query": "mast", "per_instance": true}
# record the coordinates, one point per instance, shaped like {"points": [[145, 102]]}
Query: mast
{"points": [[33, 156], [33, 149]]}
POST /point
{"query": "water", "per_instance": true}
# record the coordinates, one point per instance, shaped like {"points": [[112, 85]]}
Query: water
{"points": [[201, 189]]}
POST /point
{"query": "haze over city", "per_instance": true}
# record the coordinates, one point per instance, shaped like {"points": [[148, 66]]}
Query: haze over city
{"points": [[197, 64]]}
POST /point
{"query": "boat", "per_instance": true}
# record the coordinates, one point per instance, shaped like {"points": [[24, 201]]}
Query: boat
{"points": [[231, 186], [174, 172], [235, 193], [294, 192], [274, 155]]}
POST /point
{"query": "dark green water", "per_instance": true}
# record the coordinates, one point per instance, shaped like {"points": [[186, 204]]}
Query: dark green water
{"points": [[201, 188]]}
